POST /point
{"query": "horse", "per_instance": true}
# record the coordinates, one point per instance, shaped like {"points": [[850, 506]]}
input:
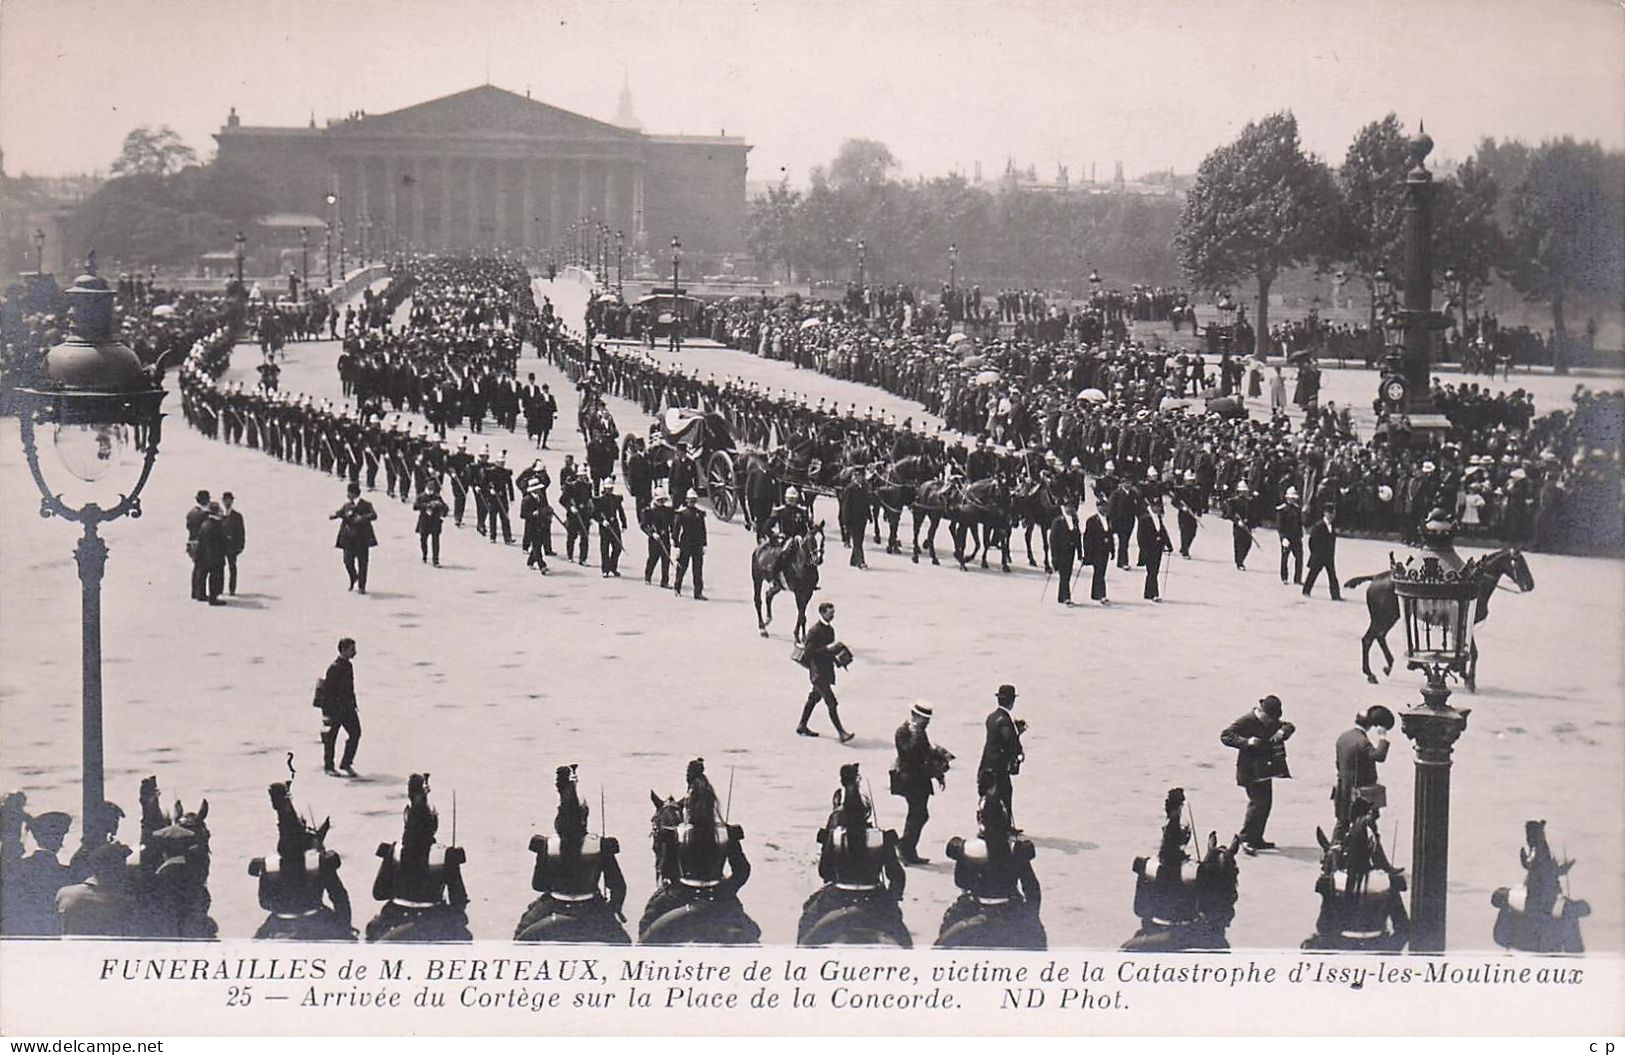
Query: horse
{"points": [[1383, 604], [872, 919], [1362, 908], [1186, 910], [1036, 506], [980, 509], [171, 881], [680, 915], [800, 558], [895, 487]]}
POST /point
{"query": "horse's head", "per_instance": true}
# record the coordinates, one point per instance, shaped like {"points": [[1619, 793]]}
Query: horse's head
{"points": [[815, 543], [1516, 568], [668, 813], [1217, 881], [1331, 854]]}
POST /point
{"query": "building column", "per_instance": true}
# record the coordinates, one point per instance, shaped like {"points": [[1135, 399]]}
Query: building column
{"points": [[504, 203], [638, 236], [581, 189], [610, 204], [554, 206], [392, 204], [445, 235]]}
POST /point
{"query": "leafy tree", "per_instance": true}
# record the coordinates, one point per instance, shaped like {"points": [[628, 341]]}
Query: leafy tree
{"points": [[771, 229], [153, 152], [1466, 234], [1568, 229], [1371, 220], [861, 164], [1260, 205]]}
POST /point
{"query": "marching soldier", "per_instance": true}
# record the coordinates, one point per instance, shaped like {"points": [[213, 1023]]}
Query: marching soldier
{"points": [[688, 532], [498, 481], [431, 510], [919, 764], [1289, 525], [1239, 512], [1186, 501], [656, 522], [479, 486], [610, 514], [460, 470], [575, 495]]}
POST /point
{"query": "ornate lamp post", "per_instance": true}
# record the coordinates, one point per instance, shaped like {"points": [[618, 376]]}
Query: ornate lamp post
{"points": [[1227, 317], [1438, 596], [1408, 369], [862, 255], [100, 408], [953, 266], [1094, 286], [241, 244], [327, 236], [620, 259], [304, 261], [39, 250], [342, 268]]}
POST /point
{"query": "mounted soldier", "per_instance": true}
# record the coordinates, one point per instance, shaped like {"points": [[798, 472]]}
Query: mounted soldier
{"points": [[294, 883], [171, 879], [1183, 903], [999, 892], [571, 865], [860, 901], [1362, 907], [1538, 916], [422, 901], [701, 866]]}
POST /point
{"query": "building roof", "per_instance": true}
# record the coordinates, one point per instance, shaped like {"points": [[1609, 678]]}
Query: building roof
{"points": [[291, 219]]}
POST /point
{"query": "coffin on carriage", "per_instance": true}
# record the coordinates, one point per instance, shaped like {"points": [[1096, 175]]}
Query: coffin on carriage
{"points": [[710, 449]]}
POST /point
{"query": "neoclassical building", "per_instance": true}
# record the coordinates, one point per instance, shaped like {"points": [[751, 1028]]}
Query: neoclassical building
{"points": [[488, 167]]}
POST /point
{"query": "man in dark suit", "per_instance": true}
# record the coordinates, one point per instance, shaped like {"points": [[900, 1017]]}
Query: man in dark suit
{"points": [[1065, 545], [1323, 554], [194, 520], [356, 536], [211, 552], [818, 653], [236, 538], [688, 532], [1259, 737], [1153, 540], [919, 764], [339, 709], [1121, 511], [1289, 524], [1002, 754], [1358, 751], [1097, 549], [857, 502]]}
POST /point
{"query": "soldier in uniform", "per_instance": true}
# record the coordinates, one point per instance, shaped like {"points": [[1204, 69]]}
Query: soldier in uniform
{"points": [[861, 871], [999, 895], [1239, 511], [306, 872], [1289, 525], [422, 901], [919, 764], [570, 867], [656, 522], [575, 495], [431, 510], [478, 486], [688, 532], [701, 864], [610, 514], [1187, 500], [102, 906], [498, 491], [857, 504], [460, 469], [788, 521]]}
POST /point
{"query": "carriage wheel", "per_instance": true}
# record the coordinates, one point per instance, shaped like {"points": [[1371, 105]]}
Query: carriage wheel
{"points": [[719, 485]]}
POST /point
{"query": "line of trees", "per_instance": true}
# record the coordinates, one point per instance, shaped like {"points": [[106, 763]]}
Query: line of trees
{"points": [[1549, 219]]}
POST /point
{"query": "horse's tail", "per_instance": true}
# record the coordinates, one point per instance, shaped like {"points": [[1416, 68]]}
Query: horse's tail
{"points": [[1359, 580]]}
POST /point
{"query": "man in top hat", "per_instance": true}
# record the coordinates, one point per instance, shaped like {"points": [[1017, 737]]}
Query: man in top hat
{"points": [[236, 538], [1065, 545], [1002, 753], [1323, 554], [656, 522], [857, 505], [1096, 548], [211, 552], [919, 764], [1259, 739], [431, 510], [356, 536], [1357, 753]]}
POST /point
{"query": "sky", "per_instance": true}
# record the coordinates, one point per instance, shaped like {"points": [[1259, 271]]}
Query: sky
{"points": [[1154, 84]]}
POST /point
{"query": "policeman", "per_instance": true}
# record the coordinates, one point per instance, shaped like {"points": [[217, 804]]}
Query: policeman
{"points": [[688, 532], [479, 486], [460, 470], [610, 514], [656, 522], [571, 866], [498, 480], [575, 495], [1239, 512], [1187, 500], [863, 878]]}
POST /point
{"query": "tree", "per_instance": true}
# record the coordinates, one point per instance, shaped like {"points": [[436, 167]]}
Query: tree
{"points": [[153, 152], [771, 231], [1568, 226], [1371, 217], [1466, 234], [861, 164], [1259, 205]]}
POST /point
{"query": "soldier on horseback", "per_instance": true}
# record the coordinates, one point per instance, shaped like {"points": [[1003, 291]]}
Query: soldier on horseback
{"points": [[1538, 916], [305, 872], [701, 866], [999, 893], [1361, 902], [859, 902], [422, 901], [570, 868]]}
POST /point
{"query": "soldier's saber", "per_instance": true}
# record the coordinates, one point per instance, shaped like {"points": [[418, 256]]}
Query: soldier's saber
{"points": [[728, 810], [453, 816]]}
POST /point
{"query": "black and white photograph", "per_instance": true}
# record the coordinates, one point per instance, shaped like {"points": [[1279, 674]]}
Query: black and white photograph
{"points": [[802, 518]]}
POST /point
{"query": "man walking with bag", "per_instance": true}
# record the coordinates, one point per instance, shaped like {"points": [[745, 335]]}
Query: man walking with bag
{"points": [[336, 697], [1259, 737]]}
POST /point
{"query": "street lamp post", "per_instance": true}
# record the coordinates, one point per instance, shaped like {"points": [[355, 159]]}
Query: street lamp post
{"points": [[1227, 318], [1405, 385], [304, 261], [676, 291], [241, 244], [1438, 597], [327, 236], [39, 250], [953, 266], [103, 411], [1094, 286], [620, 259], [862, 254]]}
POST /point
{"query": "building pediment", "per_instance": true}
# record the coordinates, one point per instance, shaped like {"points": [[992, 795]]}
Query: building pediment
{"points": [[486, 111]]}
